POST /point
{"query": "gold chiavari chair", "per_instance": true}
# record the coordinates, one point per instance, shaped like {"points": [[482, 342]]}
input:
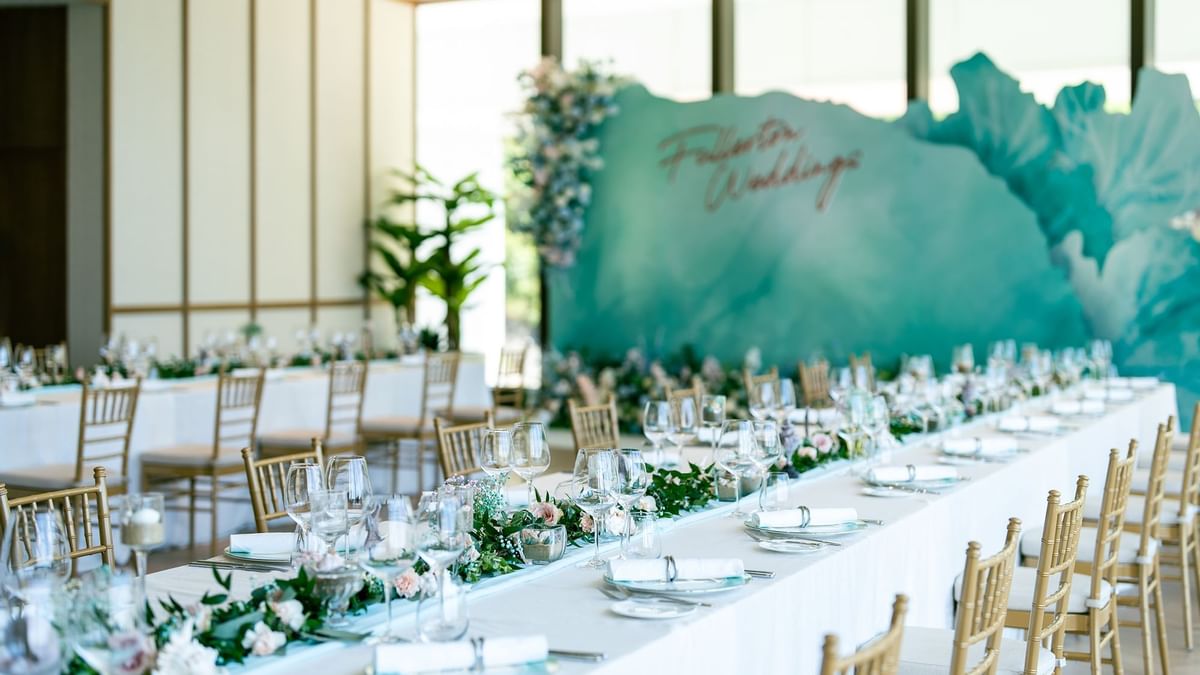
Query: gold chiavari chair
{"points": [[695, 392], [343, 416], [595, 426], [814, 383], [266, 479], [1102, 553], [752, 382], [458, 446], [880, 656], [89, 528], [589, 393], [976, 645], [213, 467], [437, 399], [863, 362], [1176, 461], [508, 396], [1043, 597], [106, 416]]}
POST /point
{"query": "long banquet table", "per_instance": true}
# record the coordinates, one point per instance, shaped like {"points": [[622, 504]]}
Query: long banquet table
{"points": [[773, 625], [177, 412]]}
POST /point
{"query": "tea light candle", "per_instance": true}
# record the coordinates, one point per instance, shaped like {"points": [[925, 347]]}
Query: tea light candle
{"points": [[145, 528], [146, 516]]}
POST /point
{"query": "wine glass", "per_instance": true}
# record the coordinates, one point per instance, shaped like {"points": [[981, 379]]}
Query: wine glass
{"points": [[786, 403], [495, 455], [633, 480], [530, 452], [348, 473], [656, 422], [443, 533], [141, 519], [329, 517], [762, 400], [712, 413], [303, 476], [390, 546], [682, 428], [37, 549], [593, 488], [769, 447], [736, 454]]}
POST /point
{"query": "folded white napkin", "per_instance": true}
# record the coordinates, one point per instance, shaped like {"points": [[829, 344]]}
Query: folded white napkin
{"points": [[816, 416], [902, 474], [13, 399], [1102, 394], [655, 569], [1076, 407], [1143, 382], [416, 657], [796, 517], [262, 543], [1042, 423], [996, 445]]}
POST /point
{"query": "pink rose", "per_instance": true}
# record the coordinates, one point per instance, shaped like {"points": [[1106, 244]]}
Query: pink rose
{"points": [[823, 443], [408, 584], [586, 524], [807, 452], [549, 513]]}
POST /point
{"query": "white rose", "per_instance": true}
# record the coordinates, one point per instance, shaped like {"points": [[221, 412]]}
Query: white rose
{"points": [[290, 612], [646, 503], [183, 656], [262, 641]]}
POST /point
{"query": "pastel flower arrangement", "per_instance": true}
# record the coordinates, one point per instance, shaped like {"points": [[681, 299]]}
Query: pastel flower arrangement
{"points": [[557, 153]]}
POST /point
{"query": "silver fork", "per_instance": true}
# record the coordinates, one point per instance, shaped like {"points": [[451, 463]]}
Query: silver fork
{"points": [[622, 594]]}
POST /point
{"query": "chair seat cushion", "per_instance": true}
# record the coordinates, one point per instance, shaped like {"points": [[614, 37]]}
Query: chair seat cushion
{"points": [[1127, 554], [198, 455], [927, 651], [301, 439], [1024, 578], [395, 424], [54, 477], [1135, 510]]}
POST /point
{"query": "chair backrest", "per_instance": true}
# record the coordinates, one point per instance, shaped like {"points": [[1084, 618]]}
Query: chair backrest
{"points": [[512, 367], [595, 426], [814, 382], [983, 604], [1060, 545], [267, 478], [84, 511], [1156, 489], [1189, 490], [1110, 527], [459, 445], [695, 392], [347, 389], [753, 382], [880, 656], [863, 362], [239, 399], [105, 426], [438, 384]]}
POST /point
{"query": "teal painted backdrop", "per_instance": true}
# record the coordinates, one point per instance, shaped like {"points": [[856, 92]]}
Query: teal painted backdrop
{"points": [[801, 227]]}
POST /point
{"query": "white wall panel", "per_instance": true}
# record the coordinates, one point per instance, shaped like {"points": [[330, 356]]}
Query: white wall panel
{"points": [[164, 327], [146, 152], [219, 156], [217, 324], [283, 150], [339, 148], [392, 71]]}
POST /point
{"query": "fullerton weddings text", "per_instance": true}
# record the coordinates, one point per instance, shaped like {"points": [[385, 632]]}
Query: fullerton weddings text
{"points": [[714, 145]]}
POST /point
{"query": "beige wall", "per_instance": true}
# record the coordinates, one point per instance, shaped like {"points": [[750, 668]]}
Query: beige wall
{"points": [[248, 141]]}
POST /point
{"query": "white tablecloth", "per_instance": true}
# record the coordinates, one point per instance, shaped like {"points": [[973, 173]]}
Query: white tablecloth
{"points": [[777, 625], [47, 433]]}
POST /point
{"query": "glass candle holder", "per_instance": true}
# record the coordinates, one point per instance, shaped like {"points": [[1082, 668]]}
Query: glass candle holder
{"points": [[543, 544]]}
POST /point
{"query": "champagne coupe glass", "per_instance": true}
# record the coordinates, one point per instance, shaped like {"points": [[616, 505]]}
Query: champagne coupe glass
{"points": [[141, 519], [633, 480], [786, 404], [656, 422], [329, 518], [530, 452], [682, 429], [349, 474], [712, 413], [736, 454], [443, 533], [762, 399], [593, 489], [495, 455], [390, 546]]}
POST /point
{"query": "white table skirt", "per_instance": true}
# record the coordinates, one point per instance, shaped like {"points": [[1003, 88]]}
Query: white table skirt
{"points": [[47, 433], [776, 626]]}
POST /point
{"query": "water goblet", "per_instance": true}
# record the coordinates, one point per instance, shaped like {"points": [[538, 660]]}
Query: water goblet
{"points": [[712, 414], [530, 453], [736, 453], [302, 478], [442, 534], [495, 455], [656, 423], [329, 516], [348, 473], [633, 480], [593, 489], [390, 546], [762, 399]]}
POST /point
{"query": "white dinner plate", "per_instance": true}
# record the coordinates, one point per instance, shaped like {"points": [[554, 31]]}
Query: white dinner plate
{"points": [[937, 484], [887, 492], [849, 527], [649, 608], [682, 586], [260, 557], [791, 546]]}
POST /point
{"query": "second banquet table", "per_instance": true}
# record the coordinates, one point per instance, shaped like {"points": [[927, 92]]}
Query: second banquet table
{"points": [[773, 625]]}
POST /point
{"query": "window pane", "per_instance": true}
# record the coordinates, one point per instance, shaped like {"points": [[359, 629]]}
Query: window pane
{"points": [[845, 51], [468, 55], [1177, 43], [664, 44], [1045, 44]]}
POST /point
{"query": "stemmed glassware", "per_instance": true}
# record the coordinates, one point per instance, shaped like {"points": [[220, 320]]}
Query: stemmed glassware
{"points": [[36, 556], [785, 405], [348, 473], [593, 488], [712, 414], [762, 400], [141, 519], [495, 455], [736, 453], [656, 423], [530, 452], [329, 516], [682, 428], [443, 533], [633, 480], [390, 546]]}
